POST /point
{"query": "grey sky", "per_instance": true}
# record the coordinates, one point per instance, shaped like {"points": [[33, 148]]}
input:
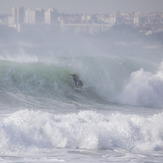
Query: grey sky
{"points": [[88, 6]]}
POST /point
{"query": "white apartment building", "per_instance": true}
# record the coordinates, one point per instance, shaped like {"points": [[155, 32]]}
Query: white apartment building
{"points": [[18, 15], [29, 16], [51, 16]]}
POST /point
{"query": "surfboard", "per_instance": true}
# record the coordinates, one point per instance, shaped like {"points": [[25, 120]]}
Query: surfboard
{"points": [[77, 88]]}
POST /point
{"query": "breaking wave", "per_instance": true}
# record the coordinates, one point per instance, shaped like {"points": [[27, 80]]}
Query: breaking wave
{"points": [[28, 130], [119, 80], [144, 88]]}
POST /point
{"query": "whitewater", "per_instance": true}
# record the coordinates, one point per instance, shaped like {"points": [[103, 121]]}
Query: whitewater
{"points": [[117, 116]]}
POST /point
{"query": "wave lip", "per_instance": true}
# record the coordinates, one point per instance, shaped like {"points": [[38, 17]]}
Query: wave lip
{"points": [[27, 130]]}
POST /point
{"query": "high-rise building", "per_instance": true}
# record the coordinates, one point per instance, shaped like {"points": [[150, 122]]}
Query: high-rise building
{"points": [[18, 15], [39, 16], [29, 16], [34, 16], [51, 16]]}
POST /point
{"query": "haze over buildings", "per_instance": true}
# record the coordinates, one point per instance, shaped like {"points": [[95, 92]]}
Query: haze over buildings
{"points": [[82, 15], [84, 22], [40, 29]]}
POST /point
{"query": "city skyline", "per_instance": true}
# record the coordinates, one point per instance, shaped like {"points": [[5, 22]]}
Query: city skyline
{"points": [[81, 6], [20, 17]]}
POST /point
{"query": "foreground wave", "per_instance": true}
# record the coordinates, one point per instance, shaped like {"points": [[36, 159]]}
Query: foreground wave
{"points": [[27, 130]]}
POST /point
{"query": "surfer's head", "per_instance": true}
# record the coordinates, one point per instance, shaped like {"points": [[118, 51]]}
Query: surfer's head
{"points": [[74, 76]]}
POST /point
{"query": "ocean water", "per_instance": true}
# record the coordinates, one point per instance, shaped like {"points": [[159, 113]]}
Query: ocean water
{"points": [[116, 117]]}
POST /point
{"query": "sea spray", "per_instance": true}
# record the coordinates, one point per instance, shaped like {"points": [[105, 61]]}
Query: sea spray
{"points": [[144, 88]]}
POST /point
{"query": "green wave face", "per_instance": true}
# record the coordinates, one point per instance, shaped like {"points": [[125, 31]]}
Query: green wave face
{"points": [[104, 78]]}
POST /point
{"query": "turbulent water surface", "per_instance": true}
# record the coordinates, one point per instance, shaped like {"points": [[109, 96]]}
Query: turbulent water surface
{"points": [[116, 117]]}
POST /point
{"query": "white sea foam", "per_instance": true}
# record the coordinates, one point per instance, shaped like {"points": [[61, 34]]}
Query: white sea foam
{"points": [[144, 88], [27, 130]]}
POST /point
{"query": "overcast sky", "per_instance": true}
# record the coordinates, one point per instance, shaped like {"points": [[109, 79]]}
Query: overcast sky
{"points": [[88, 6]]}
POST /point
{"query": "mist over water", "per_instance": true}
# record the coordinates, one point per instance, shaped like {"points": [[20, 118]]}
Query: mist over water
{"points": [[116, 116]]}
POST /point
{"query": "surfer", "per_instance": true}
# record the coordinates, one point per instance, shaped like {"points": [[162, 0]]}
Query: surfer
{"points": [[77, 81]]}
